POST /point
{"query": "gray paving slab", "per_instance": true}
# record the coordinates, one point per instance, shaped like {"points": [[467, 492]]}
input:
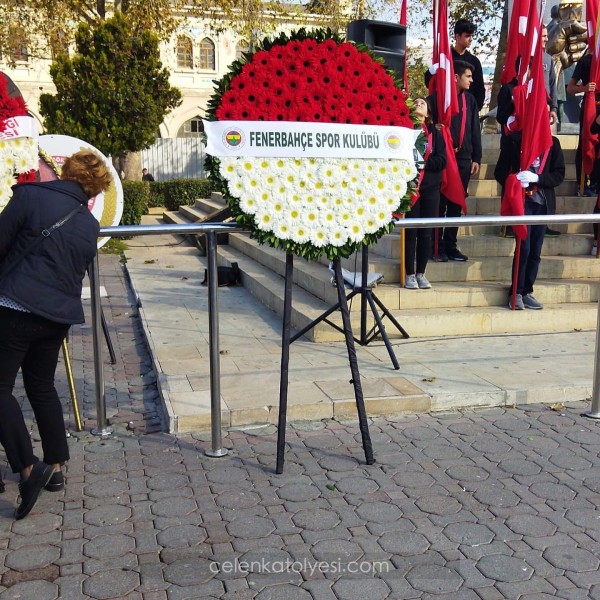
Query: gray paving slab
{"points": [[477, 503]]}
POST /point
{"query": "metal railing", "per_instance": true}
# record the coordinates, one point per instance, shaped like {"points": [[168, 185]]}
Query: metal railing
{"points": [[211, 230]]}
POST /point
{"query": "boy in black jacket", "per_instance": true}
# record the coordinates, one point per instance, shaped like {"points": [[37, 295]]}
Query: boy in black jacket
{"points": [[546, 173], [466, 138]]}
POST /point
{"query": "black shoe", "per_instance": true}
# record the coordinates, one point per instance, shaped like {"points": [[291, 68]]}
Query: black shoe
{"points": [[30, 489], [56, 483], [508, 232], [551, 232], [441, 257], [456, 254]]}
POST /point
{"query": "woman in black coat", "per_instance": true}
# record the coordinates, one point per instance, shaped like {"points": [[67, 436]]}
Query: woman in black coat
{"points": [[418, 241], [42, 266]]}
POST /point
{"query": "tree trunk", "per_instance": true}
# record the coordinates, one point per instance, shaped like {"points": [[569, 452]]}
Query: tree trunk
{"points": [[132, 166], [129, 166], [501, 56]]}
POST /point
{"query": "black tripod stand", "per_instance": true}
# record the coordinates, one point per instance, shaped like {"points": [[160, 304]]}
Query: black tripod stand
{"points": [[367, 297]]}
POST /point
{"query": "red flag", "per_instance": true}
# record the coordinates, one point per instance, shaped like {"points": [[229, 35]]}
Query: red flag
{"points": [[589, 141], [531, 108], [516, 33], [403, 7], [447, 101]]}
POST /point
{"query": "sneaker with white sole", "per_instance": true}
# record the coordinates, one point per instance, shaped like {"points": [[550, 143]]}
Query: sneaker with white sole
{"points": [[410, 283], [518, 302], [422, 282], [530, 302], [594, 251]]}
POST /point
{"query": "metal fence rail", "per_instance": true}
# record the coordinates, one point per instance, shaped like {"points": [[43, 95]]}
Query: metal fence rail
{"points": [[211, 230]]}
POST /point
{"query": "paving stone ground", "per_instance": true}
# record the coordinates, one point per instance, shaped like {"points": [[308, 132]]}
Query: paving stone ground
{"points": [[477, 504]]}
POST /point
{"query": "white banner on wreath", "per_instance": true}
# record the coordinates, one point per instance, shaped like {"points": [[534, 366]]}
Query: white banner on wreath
{"points": [[18, 127], [287, 139]]}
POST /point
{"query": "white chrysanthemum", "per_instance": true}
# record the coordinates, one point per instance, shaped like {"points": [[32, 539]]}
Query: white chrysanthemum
{"points": [[248, 205], [300, 233], [408, 170], [324, 201]]}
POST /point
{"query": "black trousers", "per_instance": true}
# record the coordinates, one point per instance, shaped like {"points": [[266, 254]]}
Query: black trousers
{"points": [[531, 251], [32, 344], [418, 241], [448, 235]]}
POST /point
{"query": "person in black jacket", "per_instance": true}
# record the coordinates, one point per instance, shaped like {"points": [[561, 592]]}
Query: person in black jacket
{"points": [[40, 297], [466, 138], [546, 173], [418, 241], [464, 30]]}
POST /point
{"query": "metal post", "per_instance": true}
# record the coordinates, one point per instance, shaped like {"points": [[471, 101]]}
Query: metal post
{"points": [[595, 408], [213, 336], [102, 427]]}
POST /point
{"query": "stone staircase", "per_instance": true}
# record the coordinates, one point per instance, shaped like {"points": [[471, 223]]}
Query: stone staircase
{"points": [[467, 298]]}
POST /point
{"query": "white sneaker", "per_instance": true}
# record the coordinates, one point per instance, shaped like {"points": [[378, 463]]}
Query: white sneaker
{"points": [[594, 251], [410, 283], [422, 281]]}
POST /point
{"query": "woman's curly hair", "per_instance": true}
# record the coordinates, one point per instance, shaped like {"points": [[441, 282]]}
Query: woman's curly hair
{"points": [[89, 170]]}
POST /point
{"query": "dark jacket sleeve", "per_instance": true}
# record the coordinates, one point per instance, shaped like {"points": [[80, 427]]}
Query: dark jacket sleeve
{"points": [[554, 172], [12, 219], [475, 137], [506, 106], [478, 86], [437, 159], [508, 159]]}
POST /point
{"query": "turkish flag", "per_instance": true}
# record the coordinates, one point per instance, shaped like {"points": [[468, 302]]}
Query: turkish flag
{"points": [[531, 108], [447, 102], [516, 35], [589, 141]]}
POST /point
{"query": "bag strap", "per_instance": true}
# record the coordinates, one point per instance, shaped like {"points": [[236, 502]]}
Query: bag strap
{"points": [[45, 233]]}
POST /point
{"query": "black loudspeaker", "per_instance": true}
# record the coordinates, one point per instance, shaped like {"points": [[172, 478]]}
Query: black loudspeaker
{"points": [[387, 40]]}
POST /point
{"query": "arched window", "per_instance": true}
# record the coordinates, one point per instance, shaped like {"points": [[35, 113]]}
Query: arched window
{"points": [[185, 58], [191, 128], [241, 47], [18, 47], [207, 55]]}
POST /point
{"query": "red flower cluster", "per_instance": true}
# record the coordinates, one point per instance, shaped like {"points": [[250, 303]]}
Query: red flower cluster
{"points": [[314, 81], [9, 107]]}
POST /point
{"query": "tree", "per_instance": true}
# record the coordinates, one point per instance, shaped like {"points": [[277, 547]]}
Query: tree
{"points": [[114, 92]]}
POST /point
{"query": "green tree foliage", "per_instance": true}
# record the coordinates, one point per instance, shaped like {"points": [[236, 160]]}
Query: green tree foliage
{"points": [[114, 92]]}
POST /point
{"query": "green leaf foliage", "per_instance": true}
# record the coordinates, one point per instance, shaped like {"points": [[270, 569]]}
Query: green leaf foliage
{"points": [[114, 92], [136, 195]]}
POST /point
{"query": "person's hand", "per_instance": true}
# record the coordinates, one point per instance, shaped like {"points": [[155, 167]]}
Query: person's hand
{"points": [[474, 168], [553, 117], [527, 177], [591, 87], [433, 69], [513, 123]]}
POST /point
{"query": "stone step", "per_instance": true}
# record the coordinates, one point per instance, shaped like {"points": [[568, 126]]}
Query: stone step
{"points": [[490, 156], [490, 205], [174, 217], [496, 245], [490, 187], [486, 171], [316, 279], [492, 268], [191, 213], [209, 205], [492, 141], [268, 287]]}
